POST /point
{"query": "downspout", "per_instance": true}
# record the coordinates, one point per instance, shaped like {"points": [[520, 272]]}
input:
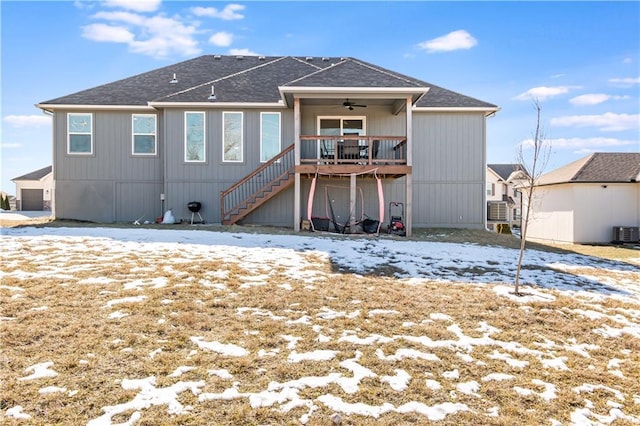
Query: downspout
{"points": [[409, 177]]}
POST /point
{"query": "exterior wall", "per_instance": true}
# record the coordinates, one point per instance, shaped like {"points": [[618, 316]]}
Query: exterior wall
{"points": [[583, 212], [111, 184], [599, 209], [552, 215], [203, 182], [46, 184], [449, 170]]}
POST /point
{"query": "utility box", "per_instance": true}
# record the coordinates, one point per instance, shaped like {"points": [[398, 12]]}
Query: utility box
{"points": [[626, 234]]}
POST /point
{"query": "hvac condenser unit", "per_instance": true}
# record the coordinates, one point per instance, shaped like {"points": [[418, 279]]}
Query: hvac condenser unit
{"points": [[626, 234]]}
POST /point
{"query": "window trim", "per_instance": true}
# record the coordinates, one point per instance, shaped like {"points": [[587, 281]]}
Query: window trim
{"points": [[262, 114], [154, 134], [241, 160], [69, 133], [204, 137]]}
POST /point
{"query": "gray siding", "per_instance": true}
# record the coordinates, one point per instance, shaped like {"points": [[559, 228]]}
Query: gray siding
{"points": [[448, 169], [203, 182], [112, 184]]}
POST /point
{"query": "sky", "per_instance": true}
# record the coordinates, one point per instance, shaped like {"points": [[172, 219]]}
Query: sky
{"points": [[580, 60]]}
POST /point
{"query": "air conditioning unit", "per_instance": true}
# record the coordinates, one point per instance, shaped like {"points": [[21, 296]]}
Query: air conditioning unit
{"points": [[626, 234]]}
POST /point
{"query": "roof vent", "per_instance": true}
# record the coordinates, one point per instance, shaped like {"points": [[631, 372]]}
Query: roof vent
{"points": [[343, 58], [325, 59], [212, 96], [217, 56], [309, 58], [239, 57], [174, 80], [261, 58]]}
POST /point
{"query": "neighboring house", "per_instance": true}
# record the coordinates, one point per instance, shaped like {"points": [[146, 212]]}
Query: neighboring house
{"points": [[34, 191], [270, 141], [504, 199], [583, 201]]}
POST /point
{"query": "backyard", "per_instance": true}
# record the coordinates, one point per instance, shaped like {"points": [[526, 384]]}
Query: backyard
{"points": [[153, 325]]}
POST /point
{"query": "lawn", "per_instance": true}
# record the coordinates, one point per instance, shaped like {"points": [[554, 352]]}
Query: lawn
{"points": [[204, 325]]}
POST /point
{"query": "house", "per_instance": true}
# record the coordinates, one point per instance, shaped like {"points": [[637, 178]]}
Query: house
{"points": [[591, 200], [504, 199], [270, 141], [34, 190]]}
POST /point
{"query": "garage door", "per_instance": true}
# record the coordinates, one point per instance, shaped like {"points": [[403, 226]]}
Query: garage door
{"points": [[32, 200]]}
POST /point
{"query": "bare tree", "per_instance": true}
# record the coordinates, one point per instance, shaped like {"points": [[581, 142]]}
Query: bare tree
{"points": [[534, 164]]}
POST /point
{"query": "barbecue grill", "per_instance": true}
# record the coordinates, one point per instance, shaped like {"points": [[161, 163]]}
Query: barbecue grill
{"points": [[194, 207]]}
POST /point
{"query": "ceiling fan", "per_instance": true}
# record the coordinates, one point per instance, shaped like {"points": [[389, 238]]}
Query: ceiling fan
{"points": [[350, 105]]}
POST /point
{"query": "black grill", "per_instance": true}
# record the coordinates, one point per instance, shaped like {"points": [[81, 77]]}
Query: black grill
{"points": [[194, 206]]}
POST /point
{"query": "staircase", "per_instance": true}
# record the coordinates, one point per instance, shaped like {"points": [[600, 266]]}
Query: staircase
{"points": [[258, 187]]}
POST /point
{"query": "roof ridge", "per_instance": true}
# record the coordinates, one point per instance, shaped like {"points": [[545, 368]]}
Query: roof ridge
{"points": [[381, 70], [299, 59], [584, 166], [277, 59], [315, 72]]}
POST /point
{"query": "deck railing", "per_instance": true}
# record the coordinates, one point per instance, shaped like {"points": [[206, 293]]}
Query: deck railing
{"points": [[257, 184], [353, 149]]}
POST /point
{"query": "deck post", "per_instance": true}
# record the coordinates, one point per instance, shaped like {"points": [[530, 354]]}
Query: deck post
{"points": [[296, 182], [352, 201]]}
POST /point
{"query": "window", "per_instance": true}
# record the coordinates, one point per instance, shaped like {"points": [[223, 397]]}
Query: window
{"points": [[491, 189], [232, 137], [269, 135], [144, 134], [336, 126], [80, 134], [194, 147]]}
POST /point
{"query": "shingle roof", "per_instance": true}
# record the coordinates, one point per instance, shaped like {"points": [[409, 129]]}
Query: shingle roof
{"points": [[605, 167], [35, 175], [256, 79], [505, 170]]}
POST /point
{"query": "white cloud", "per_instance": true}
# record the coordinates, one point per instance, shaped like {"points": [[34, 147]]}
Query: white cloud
{"points": [[135, 5], [229, 13], [543, 92], [221, 38], [10, 145], [626, 80], [455, 40], [27, 120], [594, 99], [109, 33], [242, 52], [589, 143], [157, 36], [608, 121], [627, 60]]}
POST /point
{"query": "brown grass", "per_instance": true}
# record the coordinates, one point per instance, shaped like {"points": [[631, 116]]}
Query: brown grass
{"points": [[92, 353]]}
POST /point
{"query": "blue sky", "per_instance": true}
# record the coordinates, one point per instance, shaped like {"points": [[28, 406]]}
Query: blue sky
{"points": [[581, 60]]}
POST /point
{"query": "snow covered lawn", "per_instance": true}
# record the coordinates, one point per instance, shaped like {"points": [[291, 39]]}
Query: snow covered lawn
{"points": [[106, 326]]}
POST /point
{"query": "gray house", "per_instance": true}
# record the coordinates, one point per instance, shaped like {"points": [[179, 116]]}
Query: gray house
{"points": [[276, 141]]}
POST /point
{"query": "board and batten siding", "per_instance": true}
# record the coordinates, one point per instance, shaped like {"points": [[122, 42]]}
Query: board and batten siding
{"points": [[203, 182], [449, 169], [111, 184]]}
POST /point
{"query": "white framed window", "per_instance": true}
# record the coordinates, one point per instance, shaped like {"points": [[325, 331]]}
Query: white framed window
{"points": [[232, 146], [143, 139], [491, 189], [80, 133], [341, 125], [194, 137], [270, 135]]}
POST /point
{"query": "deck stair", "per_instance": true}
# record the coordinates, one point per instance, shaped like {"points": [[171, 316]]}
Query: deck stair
{"points": [[258, 187]]}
